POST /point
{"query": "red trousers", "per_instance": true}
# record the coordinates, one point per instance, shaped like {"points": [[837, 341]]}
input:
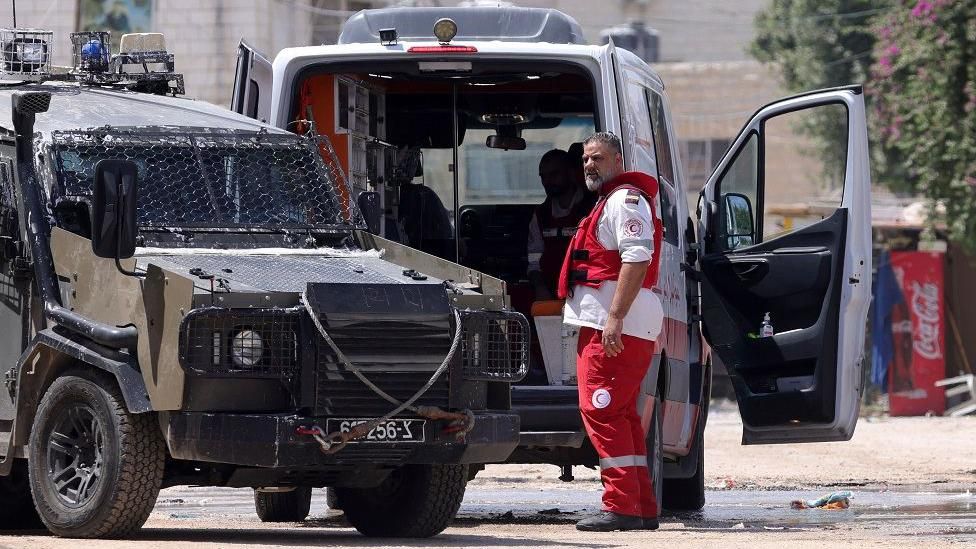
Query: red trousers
{"points": [[608, 389]]}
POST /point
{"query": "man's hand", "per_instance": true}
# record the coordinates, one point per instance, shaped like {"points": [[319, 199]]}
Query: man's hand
{"points": [[628, 284], [613, 343]]}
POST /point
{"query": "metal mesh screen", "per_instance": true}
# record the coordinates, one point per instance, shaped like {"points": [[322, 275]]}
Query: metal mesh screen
{"points": [[210, 177], [240, 342], [495, 345], [25, 53]]}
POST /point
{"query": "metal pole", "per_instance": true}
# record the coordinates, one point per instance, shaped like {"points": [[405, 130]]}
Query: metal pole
{"points": [[13, 7], [457, 206]]}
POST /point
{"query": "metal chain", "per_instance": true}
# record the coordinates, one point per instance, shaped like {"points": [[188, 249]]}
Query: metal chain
{"points": [[461, 424]]}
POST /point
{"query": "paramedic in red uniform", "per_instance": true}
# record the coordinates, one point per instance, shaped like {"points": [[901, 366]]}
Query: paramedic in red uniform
{"points": [[554, 221], [606, 278]]}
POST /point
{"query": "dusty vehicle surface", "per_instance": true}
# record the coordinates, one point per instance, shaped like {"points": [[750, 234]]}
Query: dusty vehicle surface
{"points": [[441, 116], [191, 298]]}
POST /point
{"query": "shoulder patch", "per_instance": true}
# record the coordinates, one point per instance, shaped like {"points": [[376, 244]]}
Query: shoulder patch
{"points": [[633, 196]]}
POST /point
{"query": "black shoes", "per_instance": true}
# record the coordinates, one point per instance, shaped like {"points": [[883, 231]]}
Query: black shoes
{"points": [[608, 521], [649, 524]]}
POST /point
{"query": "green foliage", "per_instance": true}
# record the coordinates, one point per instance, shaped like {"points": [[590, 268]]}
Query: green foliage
{"points": [[820, 44], [924, 86]]}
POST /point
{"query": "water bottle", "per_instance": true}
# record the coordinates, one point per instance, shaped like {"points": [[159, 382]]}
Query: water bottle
{"points": [[766, 330]]}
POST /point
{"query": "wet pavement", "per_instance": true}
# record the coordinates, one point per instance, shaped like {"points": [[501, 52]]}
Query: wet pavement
{"points": [[945, 514]]}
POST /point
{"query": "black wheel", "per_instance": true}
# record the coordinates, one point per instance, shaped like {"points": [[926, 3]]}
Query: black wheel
{"points": [[95, 469], [17, 510], [655, 452], [332, 499], [415, 501], [688, 494], [290, 506]]}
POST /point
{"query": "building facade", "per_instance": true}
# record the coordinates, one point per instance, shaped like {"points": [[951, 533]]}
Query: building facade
{"points": [[202, 34]]}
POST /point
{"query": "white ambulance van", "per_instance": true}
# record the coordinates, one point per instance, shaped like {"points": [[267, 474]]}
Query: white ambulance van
{"points": [[438, 118]]}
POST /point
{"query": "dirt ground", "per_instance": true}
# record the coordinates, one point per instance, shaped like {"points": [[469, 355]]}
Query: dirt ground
{"points": [[913, 481]]}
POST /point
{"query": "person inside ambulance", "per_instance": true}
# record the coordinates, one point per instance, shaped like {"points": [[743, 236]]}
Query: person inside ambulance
{"points": [[554, 221], [607, 278]]}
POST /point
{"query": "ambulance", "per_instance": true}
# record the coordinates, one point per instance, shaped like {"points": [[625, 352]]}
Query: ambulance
{"points": [[439, 116]]}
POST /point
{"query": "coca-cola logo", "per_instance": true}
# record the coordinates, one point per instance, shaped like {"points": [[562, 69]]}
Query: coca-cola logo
{"points": [[925, 308]]}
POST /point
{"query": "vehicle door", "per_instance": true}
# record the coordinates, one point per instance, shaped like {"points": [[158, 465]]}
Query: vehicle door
{"points": [[252, 84], [646, 143], [803, 383]]}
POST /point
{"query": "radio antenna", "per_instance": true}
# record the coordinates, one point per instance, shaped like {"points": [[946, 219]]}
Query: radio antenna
{"points": [[14, 8]]}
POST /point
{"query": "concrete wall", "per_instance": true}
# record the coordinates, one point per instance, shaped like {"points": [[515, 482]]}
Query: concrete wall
{"points": [[689, 30], [202, 34]]}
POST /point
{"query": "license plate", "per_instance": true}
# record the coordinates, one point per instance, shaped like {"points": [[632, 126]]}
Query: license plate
{"points": [[392, 430]]}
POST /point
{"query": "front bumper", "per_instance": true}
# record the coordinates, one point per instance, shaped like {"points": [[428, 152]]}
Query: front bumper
{"points": [[270, 440]]}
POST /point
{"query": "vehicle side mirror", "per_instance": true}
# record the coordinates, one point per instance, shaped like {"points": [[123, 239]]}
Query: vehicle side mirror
{"points": [[113, 214], [739, 229], [369, 204]]}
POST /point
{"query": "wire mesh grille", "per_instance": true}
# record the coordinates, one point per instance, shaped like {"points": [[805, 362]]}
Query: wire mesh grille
{"points": [[25, 52], [210, 177], [495, 345], [240, 342]]}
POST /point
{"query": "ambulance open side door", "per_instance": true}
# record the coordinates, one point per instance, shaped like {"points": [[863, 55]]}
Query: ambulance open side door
{"points": [[803, 383], [252, 84]]}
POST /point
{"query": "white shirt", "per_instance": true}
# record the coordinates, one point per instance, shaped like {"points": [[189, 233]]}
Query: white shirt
{"points": [[626, 225], [536, 243]]}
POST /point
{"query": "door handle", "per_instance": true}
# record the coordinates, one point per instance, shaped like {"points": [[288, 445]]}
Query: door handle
{"points": [[750, 270]]}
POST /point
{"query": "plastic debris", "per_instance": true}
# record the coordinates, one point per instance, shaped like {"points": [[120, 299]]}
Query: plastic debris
{"points": [[836, 500]]}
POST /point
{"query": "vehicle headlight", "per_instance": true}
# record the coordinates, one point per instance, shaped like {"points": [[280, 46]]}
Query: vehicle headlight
{"points": [[31, 52], [246, 348]]}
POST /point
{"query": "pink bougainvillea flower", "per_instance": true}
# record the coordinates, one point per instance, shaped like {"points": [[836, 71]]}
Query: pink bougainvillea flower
{"points": [[922, 8]]}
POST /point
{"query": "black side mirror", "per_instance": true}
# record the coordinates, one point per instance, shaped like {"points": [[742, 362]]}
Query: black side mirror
{"points": [[113, 214], [739, 228], [369, 204]]}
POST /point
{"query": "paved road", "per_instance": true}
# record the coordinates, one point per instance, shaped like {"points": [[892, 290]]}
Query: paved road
{"points": [[207, 517], [914, 483]]}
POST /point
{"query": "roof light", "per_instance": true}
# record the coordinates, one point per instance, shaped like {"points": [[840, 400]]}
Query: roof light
{"points": [[142, 42], [445, 29], [91, 51], [503, 119], [25, 53], [443, 49]]}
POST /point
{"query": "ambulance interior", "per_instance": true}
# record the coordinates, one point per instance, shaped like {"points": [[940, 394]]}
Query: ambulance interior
{"points": [[447, 154]]}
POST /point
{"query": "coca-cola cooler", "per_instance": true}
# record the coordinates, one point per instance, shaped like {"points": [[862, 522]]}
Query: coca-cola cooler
{"points": [[917, 326]]}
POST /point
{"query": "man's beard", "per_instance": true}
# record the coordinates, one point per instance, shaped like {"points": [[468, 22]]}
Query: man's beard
{"points": [[594, 182]]}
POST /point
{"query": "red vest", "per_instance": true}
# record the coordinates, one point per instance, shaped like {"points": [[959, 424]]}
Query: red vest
{"points": [[587, 262], [557, 232]]}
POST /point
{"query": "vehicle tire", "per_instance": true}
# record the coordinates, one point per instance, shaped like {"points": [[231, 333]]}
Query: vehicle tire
{"points": [[415, 501], [655, 452], [688, 494], [17, 510], [283, 506], [332, 499], [95, 469]]}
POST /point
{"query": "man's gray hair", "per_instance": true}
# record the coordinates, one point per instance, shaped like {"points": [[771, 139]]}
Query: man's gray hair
{"points": [[607, 138]]}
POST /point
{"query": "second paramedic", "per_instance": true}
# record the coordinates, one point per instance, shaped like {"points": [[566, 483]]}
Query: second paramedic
{"points": [[554, 221], [606, 279]]}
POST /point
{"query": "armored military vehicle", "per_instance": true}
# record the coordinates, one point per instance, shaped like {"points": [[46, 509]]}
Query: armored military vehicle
{"points": [[191, 297]]}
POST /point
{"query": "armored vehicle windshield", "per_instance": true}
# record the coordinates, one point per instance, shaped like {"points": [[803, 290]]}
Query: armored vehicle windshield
{"points": [[209, 178]]}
